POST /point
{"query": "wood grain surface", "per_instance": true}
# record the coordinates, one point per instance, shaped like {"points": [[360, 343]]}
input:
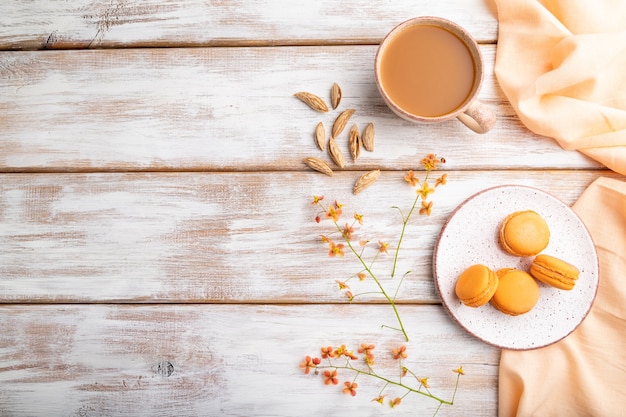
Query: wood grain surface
{"points": [[219, 237], [53, 24], [227, 360], [229, 109], [159, 253]]}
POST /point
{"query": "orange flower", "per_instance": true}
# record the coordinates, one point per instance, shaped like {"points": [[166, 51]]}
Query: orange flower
{"points": [[327, 352], [351, 355], [425, 190], [347, 231], [340, 351], [411, 178], [365, 348], [380, 399], [325, 239], [349, 295], [362, 243], [350, 388], [335, 249], [395, 401], [431, 162], [382, 247], [342, 285], [361, 276], [369, 359], [459, 371], [427, 208], [333, 212], [399, 353], [424, 382], [441, 180], [309, 363], [358, 217], [330, 377], [317, 199]]}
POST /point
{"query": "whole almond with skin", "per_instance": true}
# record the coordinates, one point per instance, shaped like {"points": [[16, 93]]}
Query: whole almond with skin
{"points": [[318, 165], [365, 181], [335, 153], [368, 137], [354, 142], [320, 136], [313, 101], [341, 121], [335, 95]]}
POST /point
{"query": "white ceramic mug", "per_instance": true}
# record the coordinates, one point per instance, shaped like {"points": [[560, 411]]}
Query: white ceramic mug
{"points": [[426, 60]]}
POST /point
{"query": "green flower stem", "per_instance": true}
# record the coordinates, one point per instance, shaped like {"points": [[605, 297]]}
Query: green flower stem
{"points": [[392, 382], [421, 384], [380, 286], [364, 293], [384, 386], [405, 221], [399, 284]]}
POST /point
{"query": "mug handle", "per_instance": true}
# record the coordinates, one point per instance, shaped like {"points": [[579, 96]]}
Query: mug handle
{"points": [[478, 117]]}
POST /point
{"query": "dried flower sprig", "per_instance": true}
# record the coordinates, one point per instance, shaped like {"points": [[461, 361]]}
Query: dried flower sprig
{"points": [[334, 212], [404, 383]]}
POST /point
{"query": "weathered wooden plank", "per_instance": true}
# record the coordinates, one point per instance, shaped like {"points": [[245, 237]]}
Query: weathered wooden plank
{"points": [[51, 24], [228, 109], [218, 237], [228, 360]]}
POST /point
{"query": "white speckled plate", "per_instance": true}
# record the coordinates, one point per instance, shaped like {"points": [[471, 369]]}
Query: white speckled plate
{"points": [[470, 236]]}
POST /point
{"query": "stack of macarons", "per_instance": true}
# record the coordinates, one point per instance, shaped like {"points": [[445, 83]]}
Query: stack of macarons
{"points": [[510, 290]]}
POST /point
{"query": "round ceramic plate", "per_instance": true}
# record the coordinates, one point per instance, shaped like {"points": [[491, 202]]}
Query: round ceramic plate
{"points": [[471, 236]]}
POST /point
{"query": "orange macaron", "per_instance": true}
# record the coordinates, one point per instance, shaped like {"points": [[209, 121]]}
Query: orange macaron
{"points": [[476, 285], [524, 233], [517, 292], [554, 272]]}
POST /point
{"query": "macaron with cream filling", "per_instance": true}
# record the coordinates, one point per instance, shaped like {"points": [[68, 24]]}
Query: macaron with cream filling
{"points": [[524, 233], [517, 292], [554, 272], [476, 285]]}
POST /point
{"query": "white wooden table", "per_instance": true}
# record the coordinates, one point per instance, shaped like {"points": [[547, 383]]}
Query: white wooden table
{"points": [[158, 249]]}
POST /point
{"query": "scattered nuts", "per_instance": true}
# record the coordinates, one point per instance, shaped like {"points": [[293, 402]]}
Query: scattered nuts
{"points": [[356, 140]]}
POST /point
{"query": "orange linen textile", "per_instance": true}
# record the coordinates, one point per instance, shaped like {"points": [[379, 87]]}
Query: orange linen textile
{"points": [[584, 374], [562, 65]]}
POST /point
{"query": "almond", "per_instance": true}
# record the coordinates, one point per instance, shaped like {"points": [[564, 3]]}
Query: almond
{"points": [[365, 181], [368, 137], [335, 95], [354, 142], [335, 153], [318, 165], [320, 136], [341, 121], [313, 101]]}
